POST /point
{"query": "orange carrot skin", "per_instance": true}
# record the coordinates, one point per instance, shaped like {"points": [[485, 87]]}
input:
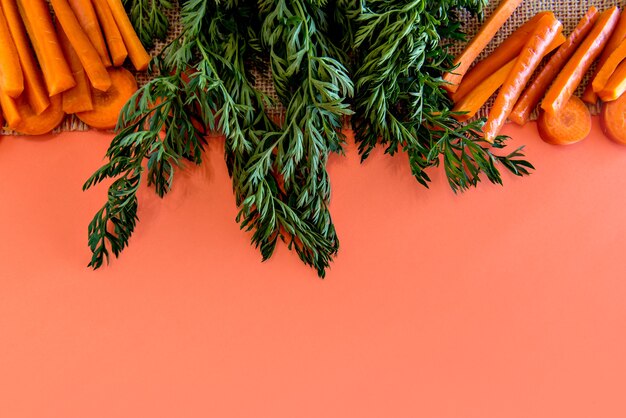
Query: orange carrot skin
{"points": [[608, 67], [34, 86], [11, 77], [505, 52], [619, 33], [78, 98], [569, 78], [89, 58], [530, 57], [137, 53], [56, 72], [504, 10], [616, 84], [86, 15], [571, 125], [111, 32], [533, 93]]}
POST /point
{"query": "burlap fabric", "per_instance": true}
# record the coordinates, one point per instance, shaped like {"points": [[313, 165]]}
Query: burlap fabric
{"points": [[567, 11]]}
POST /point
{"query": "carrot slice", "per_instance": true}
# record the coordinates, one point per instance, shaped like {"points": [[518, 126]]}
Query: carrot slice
{"points": [[136, 51], [570, 125], [504, 10], [34, 86], [78, 98], [86, 15], [38, 22], [619, 33], [613, 119], [535, 91], [95, 69], [11, 77], [608, 67], [107, 105], [111, 32], [505, 52], [31, 123], [476, 98], [616, 85], [547, 29], [569, 78]]}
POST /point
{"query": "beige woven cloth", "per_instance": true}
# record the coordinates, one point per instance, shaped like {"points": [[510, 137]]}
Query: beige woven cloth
{"points": [[568, 12]]}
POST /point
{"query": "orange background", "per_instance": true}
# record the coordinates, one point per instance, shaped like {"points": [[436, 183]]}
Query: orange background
{"points": [[501, 302]]}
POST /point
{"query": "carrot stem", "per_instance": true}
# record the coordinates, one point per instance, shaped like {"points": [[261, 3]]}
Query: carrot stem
{"points": [[136, 51], [535, 91], [478, 43], [86, 15], [569, 78], [111, 32], [11, 77]]}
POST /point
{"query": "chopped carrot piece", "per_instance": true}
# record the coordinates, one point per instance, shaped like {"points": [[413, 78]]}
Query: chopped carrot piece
{"points": [[34, 86], [78, 98], [608, 67], [86, 15], [136, 51], [535, 91], [570, 125], [616, 85], [107, 105], [613, 119], [569, 78], [504, 10], [31, 123], [11, 77], [548, 28], [111, 32]]}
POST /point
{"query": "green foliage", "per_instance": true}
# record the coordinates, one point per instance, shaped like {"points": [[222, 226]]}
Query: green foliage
{"points": [[149, 19]]}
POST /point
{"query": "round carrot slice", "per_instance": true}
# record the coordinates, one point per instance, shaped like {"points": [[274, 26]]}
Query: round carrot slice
{"points": [[107, 104], [613, 119], [30, 123], [570, 125]]}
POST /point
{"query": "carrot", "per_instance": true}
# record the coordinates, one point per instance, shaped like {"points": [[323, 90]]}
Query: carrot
{"points": [[9, 109], [535, 91], [31, 123], [111, 32], [78, 98], [95, 69], [38, 22], [136, 51], [608, 67], [107, 105], [619, 33], [616, 85], [478, 43], [613, 119], [570, 125], [86, 15], [34, 85], [547, 29], [11, 77], [477, 97], [569, 78], [505, 52]]}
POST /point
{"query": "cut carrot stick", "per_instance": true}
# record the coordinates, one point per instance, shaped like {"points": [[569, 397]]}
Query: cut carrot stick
{"points": [[477, 97], [78, 98], [616, 85], [11, 78], [86, 15], [136, 51], [547, 29], [613, 119], [95, 69], [9, 109], [111, 32], [535, 91], [478, 43], [38, 22], [619, 33], [31, 123], [107, 105], [34, 85], [569, 78], [571, 125], [505, 52], [608, 67]]}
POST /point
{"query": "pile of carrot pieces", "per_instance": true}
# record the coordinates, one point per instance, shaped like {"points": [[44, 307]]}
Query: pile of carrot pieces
{"points": [[563, 118], [71, 65]]}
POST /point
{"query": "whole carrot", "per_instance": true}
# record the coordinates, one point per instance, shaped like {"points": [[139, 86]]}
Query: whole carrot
{"points": [[136, 51], [569, 78], [111, 32], [548, 28], [11, 78], [86, 15], [535, 91], [504, 10]]}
